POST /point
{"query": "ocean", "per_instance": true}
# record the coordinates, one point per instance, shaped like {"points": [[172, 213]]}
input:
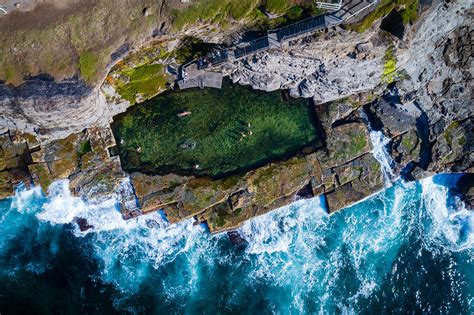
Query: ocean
{"points": [[407, 249]]}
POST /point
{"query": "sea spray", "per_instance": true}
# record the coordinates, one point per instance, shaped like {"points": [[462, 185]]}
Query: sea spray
{"points": [[380, 153], [449, 225], [370, 257], [126, 249], [19, 222], [273, 232], [126, 194], [301, 240], [63, 208], [129, 254], [379, 143]]}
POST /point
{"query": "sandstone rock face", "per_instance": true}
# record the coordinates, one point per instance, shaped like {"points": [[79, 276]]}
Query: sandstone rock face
{"points": [[14, 160], [50, 110], [429, 111], [343, 168], [82, 157], [439, 64], [62, 129], [327, 67]]}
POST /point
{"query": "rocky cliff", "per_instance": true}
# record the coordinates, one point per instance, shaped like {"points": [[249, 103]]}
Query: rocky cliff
{"points": [[414, 89]]}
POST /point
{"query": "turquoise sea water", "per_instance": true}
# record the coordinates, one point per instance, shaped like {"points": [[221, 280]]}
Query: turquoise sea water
{"points": [[409, 249]]}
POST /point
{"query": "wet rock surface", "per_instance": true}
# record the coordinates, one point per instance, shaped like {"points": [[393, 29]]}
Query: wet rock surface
{"points": [[426, 112]]}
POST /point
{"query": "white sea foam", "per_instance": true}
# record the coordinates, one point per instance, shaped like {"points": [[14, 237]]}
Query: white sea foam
{"points": [[379, 143], [451, 227], [296, 246], [299, 248], [127, 195], [380, 153], [274, 231], [62, 208], [126, 248], [23, 199]]}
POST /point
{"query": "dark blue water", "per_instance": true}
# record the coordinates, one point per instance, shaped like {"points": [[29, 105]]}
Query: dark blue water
{"points": [[407, 249]]}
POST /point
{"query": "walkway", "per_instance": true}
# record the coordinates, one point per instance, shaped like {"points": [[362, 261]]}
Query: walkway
{"points": [[195, 74]]}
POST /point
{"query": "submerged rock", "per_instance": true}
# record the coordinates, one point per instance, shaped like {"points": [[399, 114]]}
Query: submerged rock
{"points": [[83, 224], [236, 238], [62, 130]]}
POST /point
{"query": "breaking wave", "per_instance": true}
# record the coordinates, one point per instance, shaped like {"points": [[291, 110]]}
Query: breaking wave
{"points": [[380, 153], [407, 249]]}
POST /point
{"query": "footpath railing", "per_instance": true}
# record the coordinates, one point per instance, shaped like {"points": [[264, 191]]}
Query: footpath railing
{"points": [[252, 47], [304, 26], [364, 11], [274, 37], [260, 44], [330, 5]]}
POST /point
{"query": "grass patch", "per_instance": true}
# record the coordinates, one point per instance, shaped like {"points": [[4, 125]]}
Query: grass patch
{"points": [[291, 14], [241, 9], [228, 130], [448, 133], [408, 141], [295, 12], [85, 147], [410, 12], [88, 65], [216, 11], [221, 12], [390, 72], [146, 80], [352, 146], [276, 6], [390, 67], [141, 74], [359, 143], [43, 176], [383, 8], [75, 37], [9, 73]]}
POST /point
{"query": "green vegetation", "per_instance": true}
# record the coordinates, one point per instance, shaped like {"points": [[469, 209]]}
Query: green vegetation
{"points": [[276, 6], [222, 11], [352, 146], [88, 65], [295, 12], [409, 141], [390, 67], [74, 37], [409, 13], [43, 175], [146, 80], [80, 36], [212, 132], [449, 131], [265, 174], [192, 48], [390, 72], [9, 73], [290, 15], [85, 147], [216, 11], [230, 181], [142, 74], [358, 144]]}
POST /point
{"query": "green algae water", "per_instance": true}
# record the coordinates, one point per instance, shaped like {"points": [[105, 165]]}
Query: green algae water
{"points": [[213, 131], [408, 249]]}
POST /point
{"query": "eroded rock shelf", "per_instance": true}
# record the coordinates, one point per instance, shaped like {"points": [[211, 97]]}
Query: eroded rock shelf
{"points": [[416, 90]]}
